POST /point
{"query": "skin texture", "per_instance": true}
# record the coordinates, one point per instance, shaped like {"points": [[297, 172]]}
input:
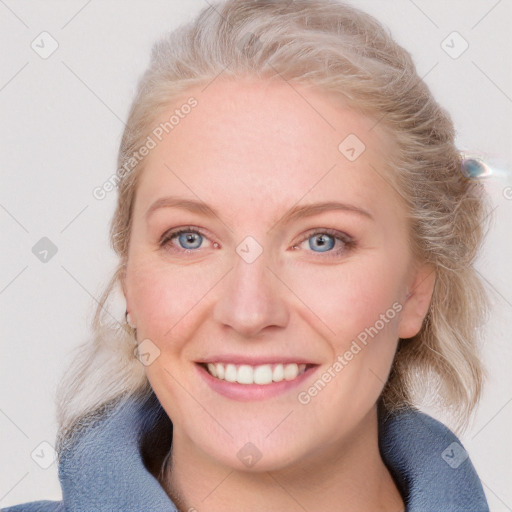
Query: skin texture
{"points": [[252, 150]]}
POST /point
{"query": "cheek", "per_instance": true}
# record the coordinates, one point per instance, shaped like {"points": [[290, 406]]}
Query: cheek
{"points": [[359, 303], [165, 296], [359, 298]]}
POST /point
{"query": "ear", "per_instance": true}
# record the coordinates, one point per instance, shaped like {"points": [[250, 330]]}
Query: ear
{"points": [[417, 301]]}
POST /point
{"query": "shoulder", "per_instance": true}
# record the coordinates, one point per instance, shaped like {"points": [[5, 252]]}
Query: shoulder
{"points": [[429, 463], [416, 433], [36, 506], [424, 443]]}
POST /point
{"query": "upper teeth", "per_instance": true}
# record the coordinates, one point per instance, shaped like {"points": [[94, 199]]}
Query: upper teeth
{"points": [[263, 374]]}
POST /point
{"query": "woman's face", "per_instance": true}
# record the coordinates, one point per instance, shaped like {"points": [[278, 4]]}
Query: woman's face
{"points": [[292, 279]]}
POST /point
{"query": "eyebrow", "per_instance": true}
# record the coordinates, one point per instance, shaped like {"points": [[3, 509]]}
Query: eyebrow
{"points": [[297, 212], [185, 204]]}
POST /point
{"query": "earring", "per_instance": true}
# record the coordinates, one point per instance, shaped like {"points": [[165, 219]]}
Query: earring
{"points": [[128, 319], [475, 168]]}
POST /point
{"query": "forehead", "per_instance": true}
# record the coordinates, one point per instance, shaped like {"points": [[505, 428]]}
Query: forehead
{"points": [[266, 143]]}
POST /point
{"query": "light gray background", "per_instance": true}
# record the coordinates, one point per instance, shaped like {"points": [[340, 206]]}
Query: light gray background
{"points": [[61, 123]]}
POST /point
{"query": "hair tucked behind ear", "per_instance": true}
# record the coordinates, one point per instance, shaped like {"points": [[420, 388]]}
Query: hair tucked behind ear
{"points": [[346, 52]]}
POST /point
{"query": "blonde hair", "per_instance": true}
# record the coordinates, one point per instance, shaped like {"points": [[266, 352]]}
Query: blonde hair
{"points": [[346, 52]]}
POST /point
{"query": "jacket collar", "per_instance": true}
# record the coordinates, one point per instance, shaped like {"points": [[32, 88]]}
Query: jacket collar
{"points": [[105, 469]]}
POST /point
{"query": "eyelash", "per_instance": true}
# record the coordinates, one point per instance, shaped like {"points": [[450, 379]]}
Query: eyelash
{"points": [[174, 233], [348, 242]]}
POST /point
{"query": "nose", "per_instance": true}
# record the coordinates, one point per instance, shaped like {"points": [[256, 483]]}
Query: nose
{"points": [[252, 299]]}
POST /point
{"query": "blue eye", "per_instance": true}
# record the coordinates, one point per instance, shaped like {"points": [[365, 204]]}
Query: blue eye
{"points": [[320, 241], [188, 238], [324, 242]]}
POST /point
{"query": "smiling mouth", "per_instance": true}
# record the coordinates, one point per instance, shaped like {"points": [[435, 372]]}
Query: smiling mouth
{"points": [[261, 374]]}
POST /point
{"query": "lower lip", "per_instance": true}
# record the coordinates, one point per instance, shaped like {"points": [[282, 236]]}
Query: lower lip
{"points": [[247, 392]]}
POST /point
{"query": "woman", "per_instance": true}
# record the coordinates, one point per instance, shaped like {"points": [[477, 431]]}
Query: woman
{"points": [[296, 233]]}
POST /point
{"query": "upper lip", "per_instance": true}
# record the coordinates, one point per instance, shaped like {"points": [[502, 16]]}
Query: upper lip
{"points": [[256, 361]]}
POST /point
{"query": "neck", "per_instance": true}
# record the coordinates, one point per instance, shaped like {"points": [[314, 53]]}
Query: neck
{"points": [[350, 478]]}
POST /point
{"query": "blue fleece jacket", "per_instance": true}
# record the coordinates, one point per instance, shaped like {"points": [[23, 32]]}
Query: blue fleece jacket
{"points": [[106, 469]]}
